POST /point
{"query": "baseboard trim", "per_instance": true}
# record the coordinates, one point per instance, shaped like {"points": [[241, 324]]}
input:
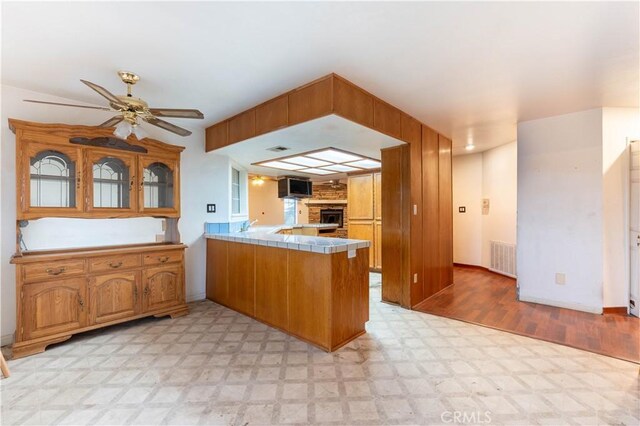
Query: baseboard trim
{"points": [[616, 310], [574, 306], [484, 269]]}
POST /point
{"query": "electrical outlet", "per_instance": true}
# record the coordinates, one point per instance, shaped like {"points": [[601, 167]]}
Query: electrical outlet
{"points": [[415, 278], [561, 279]]}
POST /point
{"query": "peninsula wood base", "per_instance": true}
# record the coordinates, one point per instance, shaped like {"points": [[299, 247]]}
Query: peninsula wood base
{"points": [[320, 298]]}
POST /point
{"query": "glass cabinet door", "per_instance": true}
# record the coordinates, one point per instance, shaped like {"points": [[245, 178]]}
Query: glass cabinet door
{"points": [[52, 178], [159, 185], [111, 181]]}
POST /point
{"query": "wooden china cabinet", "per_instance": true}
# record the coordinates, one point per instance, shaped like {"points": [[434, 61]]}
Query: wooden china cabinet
{"points": [[85, 172]]}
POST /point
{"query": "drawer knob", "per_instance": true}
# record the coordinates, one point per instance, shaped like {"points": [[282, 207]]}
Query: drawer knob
{"points": [[58, 271], [115, 265], [163, 259], [146, 291]]}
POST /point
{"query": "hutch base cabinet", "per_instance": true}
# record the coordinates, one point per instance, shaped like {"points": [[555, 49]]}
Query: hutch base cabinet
{"points": [[63, 292]]}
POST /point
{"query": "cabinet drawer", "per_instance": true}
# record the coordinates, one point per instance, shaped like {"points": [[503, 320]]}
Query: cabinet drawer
{"points": [[162, 257], [110, 263], [53, 269]]}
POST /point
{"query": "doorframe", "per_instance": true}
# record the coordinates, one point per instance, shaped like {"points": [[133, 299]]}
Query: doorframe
{"points": [[627, 219]]}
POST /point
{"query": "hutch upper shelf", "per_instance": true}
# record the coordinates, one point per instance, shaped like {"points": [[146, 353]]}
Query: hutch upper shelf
{"points": [[85, 172]]}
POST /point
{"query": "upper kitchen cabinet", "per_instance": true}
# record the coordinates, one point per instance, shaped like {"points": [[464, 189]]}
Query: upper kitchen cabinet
{"points": [[85, 172], [160, 186]]}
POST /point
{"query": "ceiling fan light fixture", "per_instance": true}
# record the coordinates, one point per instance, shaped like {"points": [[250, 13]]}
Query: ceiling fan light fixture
{"points": [[123, 129], [139, 132]]}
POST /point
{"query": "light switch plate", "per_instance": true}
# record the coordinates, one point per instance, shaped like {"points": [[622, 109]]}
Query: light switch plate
{"points": [[561, 279]]}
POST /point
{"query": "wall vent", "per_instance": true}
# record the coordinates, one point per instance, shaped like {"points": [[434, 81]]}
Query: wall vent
{"points": [[503, 258], [278, 148]]}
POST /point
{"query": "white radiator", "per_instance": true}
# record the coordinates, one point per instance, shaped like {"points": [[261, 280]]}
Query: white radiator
{"points": [[503, 258]]}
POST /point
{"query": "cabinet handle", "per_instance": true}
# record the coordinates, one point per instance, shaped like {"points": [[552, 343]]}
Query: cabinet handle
{"points": [[146, 291], [115, 265], [163, 259], [51, 271], [78, 182], [81, 303], [135, 293], [133, 178]]}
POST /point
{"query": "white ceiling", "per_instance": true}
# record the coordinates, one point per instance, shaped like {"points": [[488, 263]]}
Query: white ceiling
{"points": [[469, 70], [325, 132]]}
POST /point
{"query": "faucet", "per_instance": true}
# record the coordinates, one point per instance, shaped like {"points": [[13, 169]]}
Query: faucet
{"points": [[246, 226]]}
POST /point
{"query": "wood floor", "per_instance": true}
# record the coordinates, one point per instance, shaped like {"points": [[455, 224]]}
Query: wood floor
{"points": [[482, 297]]}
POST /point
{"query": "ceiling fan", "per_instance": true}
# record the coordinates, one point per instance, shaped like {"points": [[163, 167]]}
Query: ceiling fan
{"points": [[129, 109]]}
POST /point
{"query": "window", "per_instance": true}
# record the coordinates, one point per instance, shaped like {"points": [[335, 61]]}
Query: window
{"points": [[290, 209], [53, 180], [158, 186], [235, 191], [110, 183]]}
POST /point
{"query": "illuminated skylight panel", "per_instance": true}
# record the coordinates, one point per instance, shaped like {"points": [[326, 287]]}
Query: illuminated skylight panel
{"points": [[334, 156], [306, 161], [366, 164], [281, 165], [317, 171], [341, 168]]}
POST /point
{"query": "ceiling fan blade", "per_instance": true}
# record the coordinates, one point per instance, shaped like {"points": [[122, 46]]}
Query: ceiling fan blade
{"points": [[68, 105], [105, 93], [112, 121], [178, 113], [167, 126]]}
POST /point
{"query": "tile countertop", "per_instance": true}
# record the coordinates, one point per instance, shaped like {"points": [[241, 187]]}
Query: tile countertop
{"points": [[266, 237]]}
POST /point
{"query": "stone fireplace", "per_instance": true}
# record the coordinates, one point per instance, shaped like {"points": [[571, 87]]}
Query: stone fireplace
{"points": [[332, 216]]}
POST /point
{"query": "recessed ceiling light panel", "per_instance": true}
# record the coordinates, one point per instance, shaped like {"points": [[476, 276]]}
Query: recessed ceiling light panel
{"points": [[317, 171], [306, 161], [334, 156], [366, 164], [281, 165], [341, 168]]}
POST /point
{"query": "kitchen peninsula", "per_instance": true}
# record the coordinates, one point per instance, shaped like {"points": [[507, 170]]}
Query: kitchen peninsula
{"points": [[314, 288]]}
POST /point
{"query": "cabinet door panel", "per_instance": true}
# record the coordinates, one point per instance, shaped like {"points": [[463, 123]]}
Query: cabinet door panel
{"points": [[111, 181], [364, 230], [53, 307], [51, 180], [272, 115], [242, 277], [114, 296], [377, 246], [360, 197], [217, 271], [377, 177], [159, 188], [271, 286], [162, 287]]}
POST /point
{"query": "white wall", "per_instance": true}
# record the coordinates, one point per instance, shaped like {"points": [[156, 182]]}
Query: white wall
{"points": [[560, 210], [500, 186], [202, 181], [491, 174], [467, 192], [619, 124], [264, 204]]}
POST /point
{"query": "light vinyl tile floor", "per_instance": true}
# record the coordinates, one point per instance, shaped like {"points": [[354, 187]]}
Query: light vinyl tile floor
{"points": [[216, 366]]}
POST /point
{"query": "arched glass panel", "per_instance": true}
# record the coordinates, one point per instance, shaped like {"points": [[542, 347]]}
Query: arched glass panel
{"points": [[110, 183], [158, 186], [53, 180]]}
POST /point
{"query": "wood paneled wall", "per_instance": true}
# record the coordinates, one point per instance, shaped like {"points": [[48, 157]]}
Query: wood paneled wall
{"points": [[416, 196]]}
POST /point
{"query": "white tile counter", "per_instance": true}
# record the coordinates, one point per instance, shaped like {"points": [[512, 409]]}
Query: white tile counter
{"points": [[267, 236]]}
